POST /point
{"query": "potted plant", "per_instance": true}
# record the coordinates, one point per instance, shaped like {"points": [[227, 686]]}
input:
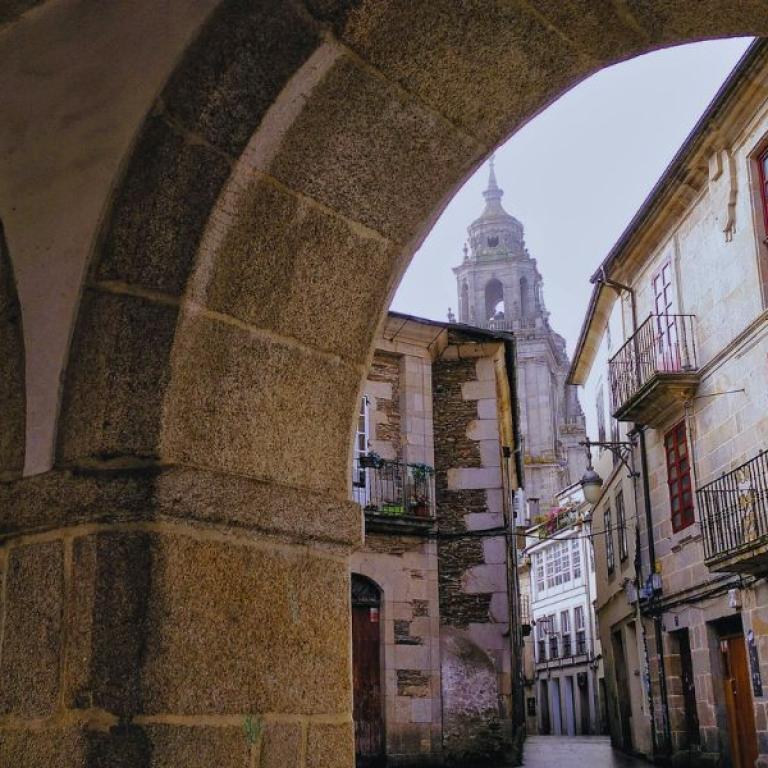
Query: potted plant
{"points": [[370, 460]]}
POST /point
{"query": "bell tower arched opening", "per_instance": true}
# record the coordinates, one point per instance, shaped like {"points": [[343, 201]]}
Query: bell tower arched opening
{"points": [[494, 298]]}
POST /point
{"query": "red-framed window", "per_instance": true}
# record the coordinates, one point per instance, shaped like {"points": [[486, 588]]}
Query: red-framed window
{"points": [[762, 164], [679, 477]]}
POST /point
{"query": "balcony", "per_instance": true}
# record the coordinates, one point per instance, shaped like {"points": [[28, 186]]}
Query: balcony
{"points": [[395, 495], [655, 370], [734, 516]]}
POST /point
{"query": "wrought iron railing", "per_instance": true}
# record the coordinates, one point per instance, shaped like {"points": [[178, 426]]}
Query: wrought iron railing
{"points": [[662, 344], [393, 488], [734, 508]]}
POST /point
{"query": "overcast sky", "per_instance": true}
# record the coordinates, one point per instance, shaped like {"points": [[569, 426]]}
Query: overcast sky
{"points": [[576, 174]]}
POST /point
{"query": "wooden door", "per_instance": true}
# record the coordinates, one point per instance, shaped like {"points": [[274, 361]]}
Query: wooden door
{"points": [[738, 702], [366, 667]]}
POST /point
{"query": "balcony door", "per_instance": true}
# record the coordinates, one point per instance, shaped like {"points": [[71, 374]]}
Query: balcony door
{"points": [[667, 347], [360, 480]]}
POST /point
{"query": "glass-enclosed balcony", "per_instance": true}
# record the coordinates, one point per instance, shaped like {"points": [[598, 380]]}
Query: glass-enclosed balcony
{"points": [[654, 370]]}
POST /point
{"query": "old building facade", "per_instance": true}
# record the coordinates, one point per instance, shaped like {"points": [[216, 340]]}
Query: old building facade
{"points": [[435, 619], [675, 344], [499, 286], [567, 678]]}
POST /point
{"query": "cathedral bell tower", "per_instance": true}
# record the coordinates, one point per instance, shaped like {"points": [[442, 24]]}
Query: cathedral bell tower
{"points": [[500, 288], [498, 283]]}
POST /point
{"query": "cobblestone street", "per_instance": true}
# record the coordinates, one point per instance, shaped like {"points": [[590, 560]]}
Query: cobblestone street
{"points": [[584, 751]]}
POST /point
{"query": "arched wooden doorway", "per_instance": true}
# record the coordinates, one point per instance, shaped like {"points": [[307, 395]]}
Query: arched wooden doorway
{"points": [[366, 665]]}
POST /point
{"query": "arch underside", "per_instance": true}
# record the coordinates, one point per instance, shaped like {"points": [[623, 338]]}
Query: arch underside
{"points": [[195, 518]]}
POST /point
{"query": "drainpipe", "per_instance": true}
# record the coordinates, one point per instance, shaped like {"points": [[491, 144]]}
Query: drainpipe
{"points": [[657, 630]]}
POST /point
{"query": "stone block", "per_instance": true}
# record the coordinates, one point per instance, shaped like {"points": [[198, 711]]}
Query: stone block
{"points": [[667, 21], [478, 390], [225, 627], [486, 369], [474, 478], [490, 451], [234, 406], [487, 409], [357, 132], [281, 745], [330, 746], [116, 382], [483, 429], [161, 210], [32, 637], [287, 265], [239, 65], [495, 550], [483, 521], [481, 579], [52, 748], [515, 61], [172, 746]]}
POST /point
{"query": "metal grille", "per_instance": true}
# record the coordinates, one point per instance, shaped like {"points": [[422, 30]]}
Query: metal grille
{"points": [[734, 508], [662, 344], [393, 487]]}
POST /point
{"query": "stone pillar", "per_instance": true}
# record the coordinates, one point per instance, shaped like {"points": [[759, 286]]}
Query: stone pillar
{"points": [[173, 617]]}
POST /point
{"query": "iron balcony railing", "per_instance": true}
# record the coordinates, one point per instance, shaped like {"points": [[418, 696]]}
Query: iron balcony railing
{"points": [[734, 508], [393, 488], [662, 344]]}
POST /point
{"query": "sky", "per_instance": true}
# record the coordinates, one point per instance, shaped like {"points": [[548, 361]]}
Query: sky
{"points": [[576, 174]]}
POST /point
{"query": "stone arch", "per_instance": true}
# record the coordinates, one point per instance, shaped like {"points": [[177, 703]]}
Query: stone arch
{"points": [[12, 390], [365, 591], [494, 296], [299, 149]]}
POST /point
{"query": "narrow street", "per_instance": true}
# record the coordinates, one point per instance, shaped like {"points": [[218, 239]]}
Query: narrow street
{"points": [[587, 751]]}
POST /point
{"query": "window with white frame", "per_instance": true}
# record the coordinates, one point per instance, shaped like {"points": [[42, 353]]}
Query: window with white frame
{"points": [[538, 560], [576, 558], [581, 630]]}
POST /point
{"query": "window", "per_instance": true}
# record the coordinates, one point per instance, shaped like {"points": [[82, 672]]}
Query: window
{"points": [[679, 477], [493, 241], [609, 556], [621, 523], [554, 652], [557, 567], [576, 558], [541, 639], [667, 348], [565, 631], [581, 630], [359, 480], [600, 404], [539, 567], [763, 167]]}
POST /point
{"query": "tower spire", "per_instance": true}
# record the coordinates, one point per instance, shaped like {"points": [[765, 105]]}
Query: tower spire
{"points": [[492, 192]]}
